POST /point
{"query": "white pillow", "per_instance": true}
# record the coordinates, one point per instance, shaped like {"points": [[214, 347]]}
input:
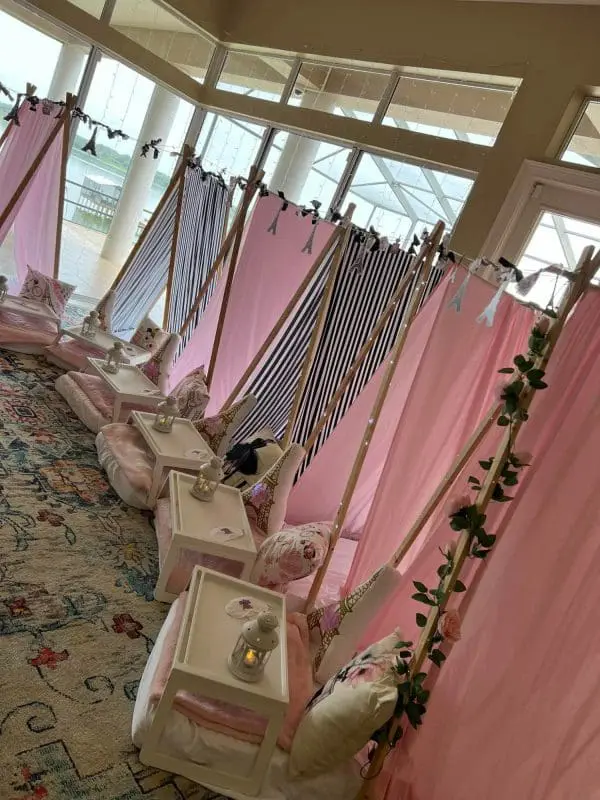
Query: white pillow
{"points": [[337, 629], [265, 458], [266, 501], [341, 718]]}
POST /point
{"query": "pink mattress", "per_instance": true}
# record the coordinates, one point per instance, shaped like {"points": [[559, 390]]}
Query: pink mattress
{"points": [[337, 573]]}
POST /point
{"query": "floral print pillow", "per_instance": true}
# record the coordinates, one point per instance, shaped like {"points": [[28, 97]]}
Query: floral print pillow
{"points": [[192, 395], [373, 663], [54, 294], [266, 501], [291, 554]]}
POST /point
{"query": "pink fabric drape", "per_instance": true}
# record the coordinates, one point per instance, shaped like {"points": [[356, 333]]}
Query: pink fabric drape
{"points": [[514, 712], [269, 270], [317, 494], [455, 385], [35, 233]]}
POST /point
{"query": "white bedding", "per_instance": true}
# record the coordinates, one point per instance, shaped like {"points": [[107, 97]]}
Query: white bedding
{"points": [[186, 739]]}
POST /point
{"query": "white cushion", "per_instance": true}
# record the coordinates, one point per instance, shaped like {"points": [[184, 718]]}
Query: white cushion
{"points": [[341, 718], [337, 629], [266, 501], [218, 431]]}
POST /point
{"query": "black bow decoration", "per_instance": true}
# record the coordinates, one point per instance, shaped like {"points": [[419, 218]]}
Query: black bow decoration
{"points": [[151, 145], [242, 457], [504, 262]]}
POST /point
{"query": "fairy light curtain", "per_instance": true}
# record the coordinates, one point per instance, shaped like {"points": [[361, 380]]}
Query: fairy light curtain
{"points": [[146, 275], [365, 283], [201, 224]]}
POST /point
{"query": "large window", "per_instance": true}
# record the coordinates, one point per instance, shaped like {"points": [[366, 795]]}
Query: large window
{"points": [[399, 199], [333, 89], [255, 75], [228, 145], [470, 108], [305, 169], [584, 146], [165, 34]]}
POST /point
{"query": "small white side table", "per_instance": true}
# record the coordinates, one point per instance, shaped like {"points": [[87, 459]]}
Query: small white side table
{"points": [[207, 637], [104, 341], [193, 521], [182, 448], [129, 385]]}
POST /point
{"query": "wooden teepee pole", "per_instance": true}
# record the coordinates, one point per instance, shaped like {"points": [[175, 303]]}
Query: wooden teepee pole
{"points": [[318, 328], [365, 349], [221, 255], [63, 178], [586, 268], [34, 166], [185, 157], [333, 242], [254, 178], [425, 257]]}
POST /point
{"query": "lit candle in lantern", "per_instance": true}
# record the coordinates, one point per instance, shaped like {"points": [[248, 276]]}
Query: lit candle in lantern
{"points": [[250, 657]]}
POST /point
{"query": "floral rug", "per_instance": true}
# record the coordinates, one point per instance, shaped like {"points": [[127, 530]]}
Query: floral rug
{"points": [[77, 615]]}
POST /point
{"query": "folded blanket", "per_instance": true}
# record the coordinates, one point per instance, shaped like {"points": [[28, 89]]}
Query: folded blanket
{"points": [[234, 721], [132, 453]]}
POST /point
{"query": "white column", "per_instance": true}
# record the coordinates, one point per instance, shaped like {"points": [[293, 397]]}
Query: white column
{"points": [[67, 71], [140, 176], [299, 153]]}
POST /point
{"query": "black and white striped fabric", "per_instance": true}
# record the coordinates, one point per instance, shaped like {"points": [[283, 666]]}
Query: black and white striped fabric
{"points": [[359, 297], [147, 273], [201, 224], [275, 381]]}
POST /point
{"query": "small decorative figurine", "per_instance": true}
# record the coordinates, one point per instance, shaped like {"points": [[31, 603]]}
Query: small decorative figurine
{"points": [[90, 325], [256, 642], [3, 288], [209, 477], [114, 358], [166, 414]]}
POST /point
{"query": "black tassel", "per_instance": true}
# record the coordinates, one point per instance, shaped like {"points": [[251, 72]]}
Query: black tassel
{"points": [[13, 114], [90, 147]]}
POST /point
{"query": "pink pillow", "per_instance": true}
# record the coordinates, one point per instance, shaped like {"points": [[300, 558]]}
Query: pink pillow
{"points": [[54, 294], [291, 554]]}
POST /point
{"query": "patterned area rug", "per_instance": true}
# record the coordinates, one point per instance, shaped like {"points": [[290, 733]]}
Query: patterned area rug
{"points": [[77, 616]]}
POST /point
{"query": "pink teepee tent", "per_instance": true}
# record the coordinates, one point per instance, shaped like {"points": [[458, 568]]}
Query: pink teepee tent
{"points": [[33, 156]]}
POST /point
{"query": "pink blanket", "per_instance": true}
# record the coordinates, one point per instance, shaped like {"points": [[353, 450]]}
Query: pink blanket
{"points": [[240, 723], [20, 328], [97, 392], [129, 448], [75, 353]]}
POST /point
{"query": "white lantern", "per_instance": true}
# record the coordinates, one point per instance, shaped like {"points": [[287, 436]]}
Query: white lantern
{"points": [[209, 477], [114, 358], [166, 414], [258, 639], [3, 287], [90, 325]]}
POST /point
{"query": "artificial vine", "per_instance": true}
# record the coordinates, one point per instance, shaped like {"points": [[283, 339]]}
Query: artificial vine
{"points": [[466, 518]]}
